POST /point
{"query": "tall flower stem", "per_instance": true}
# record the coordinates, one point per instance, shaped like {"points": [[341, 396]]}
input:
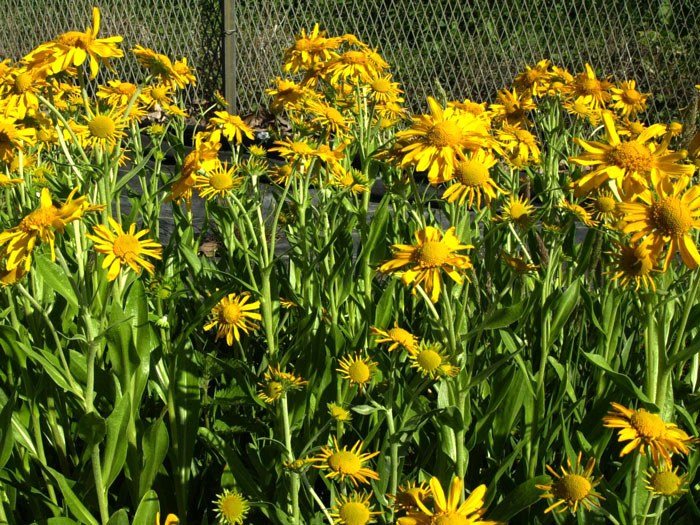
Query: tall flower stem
{"points": [[294, 488], [633, 491]]}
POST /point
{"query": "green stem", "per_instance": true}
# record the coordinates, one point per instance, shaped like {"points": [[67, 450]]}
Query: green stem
{"points": [[652, 348], [635, 482], [318, 500], [294, 489]]}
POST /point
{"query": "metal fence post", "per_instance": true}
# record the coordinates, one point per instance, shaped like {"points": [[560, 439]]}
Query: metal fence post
{"points": [[230, 58]]}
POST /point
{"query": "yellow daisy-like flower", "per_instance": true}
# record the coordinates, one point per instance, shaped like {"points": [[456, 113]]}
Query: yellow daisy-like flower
{"points": [[517, 210], [470, 107], [670, 217], [232, 126], [666, 482], [581, 110], [287, 94], [277, 383], [579, 212], [124, 248], [348, 179], [158, 96], [353, 509], [437, 142], [170, 519], [40, 224], [20, 88], [518, 264], [357, 370], [219, 182], [533, 80], [117, 93], [645, 430], [396, 336], [513, 107], [631, 164], [595, 92], [203, 157], [603, 206], [344, 463], [294, 151], [431, 361], [7, 182], [339, 413], [13, 138], [632, 264], [472, 178], [384, 91], [448, 510], [627, 100], [432, 253], [406, 496], [270, 391], [185, 73], [355, 66], [10, 277], [160, 66], [232, 315], [573, 487], [231, 507], [102, 130], [520, 146], [309, 49], [74, 48], [328, 117]]}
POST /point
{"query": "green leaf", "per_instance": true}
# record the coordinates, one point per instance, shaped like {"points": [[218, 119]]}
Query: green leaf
{"points": [[502, 317], [56, 278], [147, 510], [120, 518], [7, 437], [74, 502], [154, 447], [116, 442], [621, 380], [564, 306], [61, 521], [523, 496]]}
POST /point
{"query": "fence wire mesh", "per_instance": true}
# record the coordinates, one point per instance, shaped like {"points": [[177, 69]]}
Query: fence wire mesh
{"points": [[470, 48]]}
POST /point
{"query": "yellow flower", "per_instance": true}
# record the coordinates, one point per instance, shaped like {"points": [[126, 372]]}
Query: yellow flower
{"points": [[287, 95], [666, 482], [521, 147], [436, 142], [74, 48], [204, 157], [396, 336], [430, 360], [40, 224], [594, 91], [573, 488], [6, 181], [117, 93], [218, 182], [13, 137], [231, 507], [351, 179], [355, 66], [339, 413], [627, 100], [232, 126], [277, 383], [581, 110], [160, 66], [124, 248], [533, 80], [632, 263], [448, 510], [159, 95], [357, 370], [517, 210], [328, 117], [603, 206], [346, 463], [185, 74], [406, 496], [233, 314], [294, 151], [353, 509], [280, 174], [430, 255], [631, 164], [518, 264], [470, 107], [384, 91], [20, 88], [170, 519], [579, 212], [10, 277], [309, 49], [103, 130], [513, 107], [472, 178], [669, 217], [645, 430]]}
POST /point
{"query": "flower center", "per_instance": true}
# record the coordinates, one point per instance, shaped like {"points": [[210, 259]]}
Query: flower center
{"points": [[432, 253], [355, 57], [232, 507], [445, 135], [401, 336], [359, 372], [126, 247], [666, 482], [449, 518], [429, 360], [345, 461], [232, 313], [38, 219], [647, 425], [159, 93], [636, 262], [23, 82], [572, 487], [630, 156], [517, 211], [605, 204], [523, 135], [221, 180], [589, 86], [631, 96], [126, 88], [303, 44], [102, 127], [671, 216], [334, 116], [354, 513], [472, 173], [273, 389], [381, 85], [44, 135]]}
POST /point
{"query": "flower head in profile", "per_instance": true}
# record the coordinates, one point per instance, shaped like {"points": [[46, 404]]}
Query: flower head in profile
{"points": [[342, 463], [354, 509], [578, 212], [520, 146], [277, 383], [358, 370], [647, 431], [432, 253], [406, 496], [18, 242], [160, 66], [339, 413], [233, 315], [231, 507], [309, 49], [75, 48], [666, 482], [170, 519], [124, 248], [287, 94], [232, 126], [448, 510], [431, 361], [533, 80], [13, 138], [573, 487], [632, 264], [395, 336], [513, 107]]}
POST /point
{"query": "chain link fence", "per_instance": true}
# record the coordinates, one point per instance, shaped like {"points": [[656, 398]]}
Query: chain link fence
{"points": [[469, 48]]}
